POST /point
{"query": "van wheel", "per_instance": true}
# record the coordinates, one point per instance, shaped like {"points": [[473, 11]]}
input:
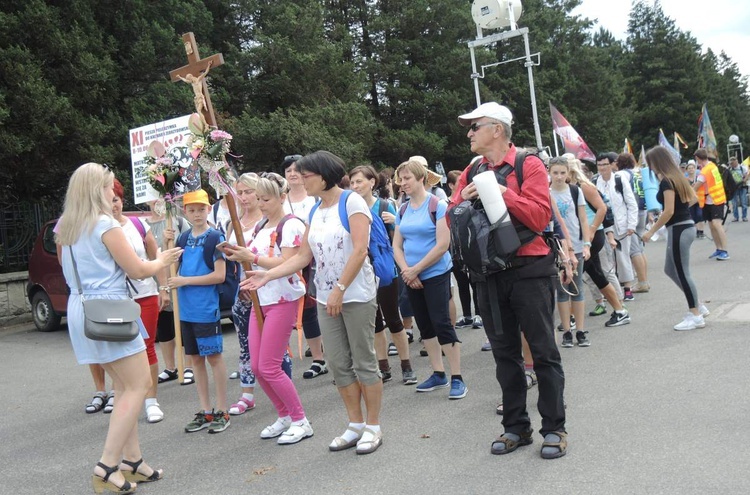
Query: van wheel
{"points": [[45, 318]]}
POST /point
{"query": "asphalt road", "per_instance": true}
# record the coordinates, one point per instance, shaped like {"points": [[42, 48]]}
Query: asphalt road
{"points": [[650, 411]]}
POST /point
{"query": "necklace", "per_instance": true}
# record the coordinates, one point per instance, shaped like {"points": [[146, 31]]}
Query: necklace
{"points": [[325, 215]]}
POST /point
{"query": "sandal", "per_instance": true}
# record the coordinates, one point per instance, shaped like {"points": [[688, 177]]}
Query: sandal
{"points": [[277, 428], [132, 473], [555, 445], [369, 446], [188, 377], [167, 375], [154, 414], [508, 442], [110, 403], [97, 403], [530, 378], [103, 483], [316, 369], [340, 444], [241, 406]]}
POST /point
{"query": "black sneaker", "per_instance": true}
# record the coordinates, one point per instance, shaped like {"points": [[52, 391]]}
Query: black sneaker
{"points": [[628, 295], [567, 340], [386, 375], [583, 339], [617, 319], [409, 335], [464, 322]]}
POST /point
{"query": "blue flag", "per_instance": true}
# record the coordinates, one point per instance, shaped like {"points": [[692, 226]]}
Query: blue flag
{"points": [[663, 142]]}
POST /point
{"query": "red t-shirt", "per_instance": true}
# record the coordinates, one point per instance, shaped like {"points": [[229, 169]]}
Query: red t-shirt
{"points": [[531, 207]]}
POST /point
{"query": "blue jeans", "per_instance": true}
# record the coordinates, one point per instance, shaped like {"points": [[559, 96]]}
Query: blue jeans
{"points": [[740, 199]]}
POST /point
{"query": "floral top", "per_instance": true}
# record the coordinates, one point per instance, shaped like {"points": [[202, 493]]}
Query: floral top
{"points": [[284, 289]]}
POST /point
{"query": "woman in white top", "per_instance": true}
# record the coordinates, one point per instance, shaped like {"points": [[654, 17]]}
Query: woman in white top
{"points": [[145, 291], [103, 257], [299, 204], [346, 292], [277, 239]]}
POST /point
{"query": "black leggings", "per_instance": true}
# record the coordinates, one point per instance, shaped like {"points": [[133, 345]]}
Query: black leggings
{"points": [[388, 308], [593, 266], [466, 290], [430, 305]]}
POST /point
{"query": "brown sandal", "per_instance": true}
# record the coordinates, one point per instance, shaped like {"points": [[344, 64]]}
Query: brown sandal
{"points": [[505, 445], [561, 446]]}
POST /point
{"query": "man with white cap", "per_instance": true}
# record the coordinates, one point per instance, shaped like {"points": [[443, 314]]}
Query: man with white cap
{"points": [[523, 295]]}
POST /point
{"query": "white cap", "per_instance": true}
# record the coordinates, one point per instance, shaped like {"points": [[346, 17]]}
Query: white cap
{"points": [[691, 162], [490, 110]]}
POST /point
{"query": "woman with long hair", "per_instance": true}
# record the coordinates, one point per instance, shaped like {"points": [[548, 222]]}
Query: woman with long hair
{"points": [[346, 294], [596, 209], [96, 251], [676, 196], [364, 181], [571, 203]]}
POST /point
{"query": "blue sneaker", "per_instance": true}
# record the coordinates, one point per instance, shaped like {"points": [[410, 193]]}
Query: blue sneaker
{"points": [[715, 254], [434, 382], [723, 256], [458, 389]]}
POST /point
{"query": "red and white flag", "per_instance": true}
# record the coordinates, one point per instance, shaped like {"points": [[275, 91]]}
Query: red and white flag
{"points": [[572, 141]]}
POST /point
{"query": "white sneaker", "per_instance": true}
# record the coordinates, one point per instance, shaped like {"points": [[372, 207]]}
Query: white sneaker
{"points": [[277, 428], [297, 431], [704, 310], [690, 322]]}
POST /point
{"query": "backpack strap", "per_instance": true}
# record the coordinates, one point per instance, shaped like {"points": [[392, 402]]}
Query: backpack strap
{"points": [[312, 210], [209, 247], [342, 209], [139, 227], [382, 207], [618, 185], [431, 207], [574, 190]]}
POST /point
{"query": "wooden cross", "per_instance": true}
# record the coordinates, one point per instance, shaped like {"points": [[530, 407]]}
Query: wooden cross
{"points": [[195, 72]]}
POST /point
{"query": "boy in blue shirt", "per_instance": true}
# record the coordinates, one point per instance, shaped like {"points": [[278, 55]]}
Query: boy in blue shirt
{"points": [[198, 294]]}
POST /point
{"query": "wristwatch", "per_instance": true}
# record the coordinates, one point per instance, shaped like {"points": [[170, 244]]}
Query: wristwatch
{"points": [[341, 287]]}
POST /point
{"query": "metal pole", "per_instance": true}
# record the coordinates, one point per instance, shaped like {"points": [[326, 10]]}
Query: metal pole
{"points": [[529, 66], [474, 73], [554, 138]]}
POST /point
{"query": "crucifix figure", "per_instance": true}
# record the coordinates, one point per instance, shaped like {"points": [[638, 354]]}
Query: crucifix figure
{"points": [[197, 84], [195, 73]]}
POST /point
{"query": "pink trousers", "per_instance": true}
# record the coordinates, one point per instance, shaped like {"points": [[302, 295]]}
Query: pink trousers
{"points": [[267, 349]]}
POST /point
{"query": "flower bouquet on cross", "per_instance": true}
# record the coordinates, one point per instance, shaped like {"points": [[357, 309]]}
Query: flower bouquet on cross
{"points": [[200, 163], [209, 147]]}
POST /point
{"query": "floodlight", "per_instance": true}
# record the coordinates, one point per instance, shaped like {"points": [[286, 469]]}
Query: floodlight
{"points": [[734, 139], [496, 14]]}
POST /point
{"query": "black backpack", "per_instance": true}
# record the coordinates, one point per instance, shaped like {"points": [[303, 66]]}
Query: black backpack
{"points": [[229, 287], [471, 232], [730, 185]]}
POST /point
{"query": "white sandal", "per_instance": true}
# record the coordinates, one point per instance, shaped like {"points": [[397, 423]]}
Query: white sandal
{"points": [[277, 428], [373, 442], [154, 414], [340, 444], [296, 433], [110, 403]]}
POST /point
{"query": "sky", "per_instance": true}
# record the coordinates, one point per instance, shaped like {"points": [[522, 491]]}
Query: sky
{"points": [[716, 24]]}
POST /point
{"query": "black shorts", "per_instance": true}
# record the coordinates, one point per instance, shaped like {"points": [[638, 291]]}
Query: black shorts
{"points": [[165, 327], [713, 212], [203, 339]]}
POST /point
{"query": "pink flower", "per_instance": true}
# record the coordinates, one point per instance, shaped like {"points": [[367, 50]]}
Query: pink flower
{"points": [[218, 135], [159, 178]]}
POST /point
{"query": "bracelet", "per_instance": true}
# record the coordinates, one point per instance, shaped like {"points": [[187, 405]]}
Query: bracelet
{"points": [[587, 243], [255, 260], [164, 288]]}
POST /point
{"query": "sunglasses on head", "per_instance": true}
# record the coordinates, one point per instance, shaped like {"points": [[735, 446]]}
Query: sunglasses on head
{"points": [[558, 160], [292, 158]]}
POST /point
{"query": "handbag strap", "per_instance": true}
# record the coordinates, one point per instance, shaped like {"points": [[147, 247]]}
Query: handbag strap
{"points": [[75, 270]]}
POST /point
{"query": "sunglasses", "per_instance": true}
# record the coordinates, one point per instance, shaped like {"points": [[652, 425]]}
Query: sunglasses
{"points": [[475, 127], [292, 158]]}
